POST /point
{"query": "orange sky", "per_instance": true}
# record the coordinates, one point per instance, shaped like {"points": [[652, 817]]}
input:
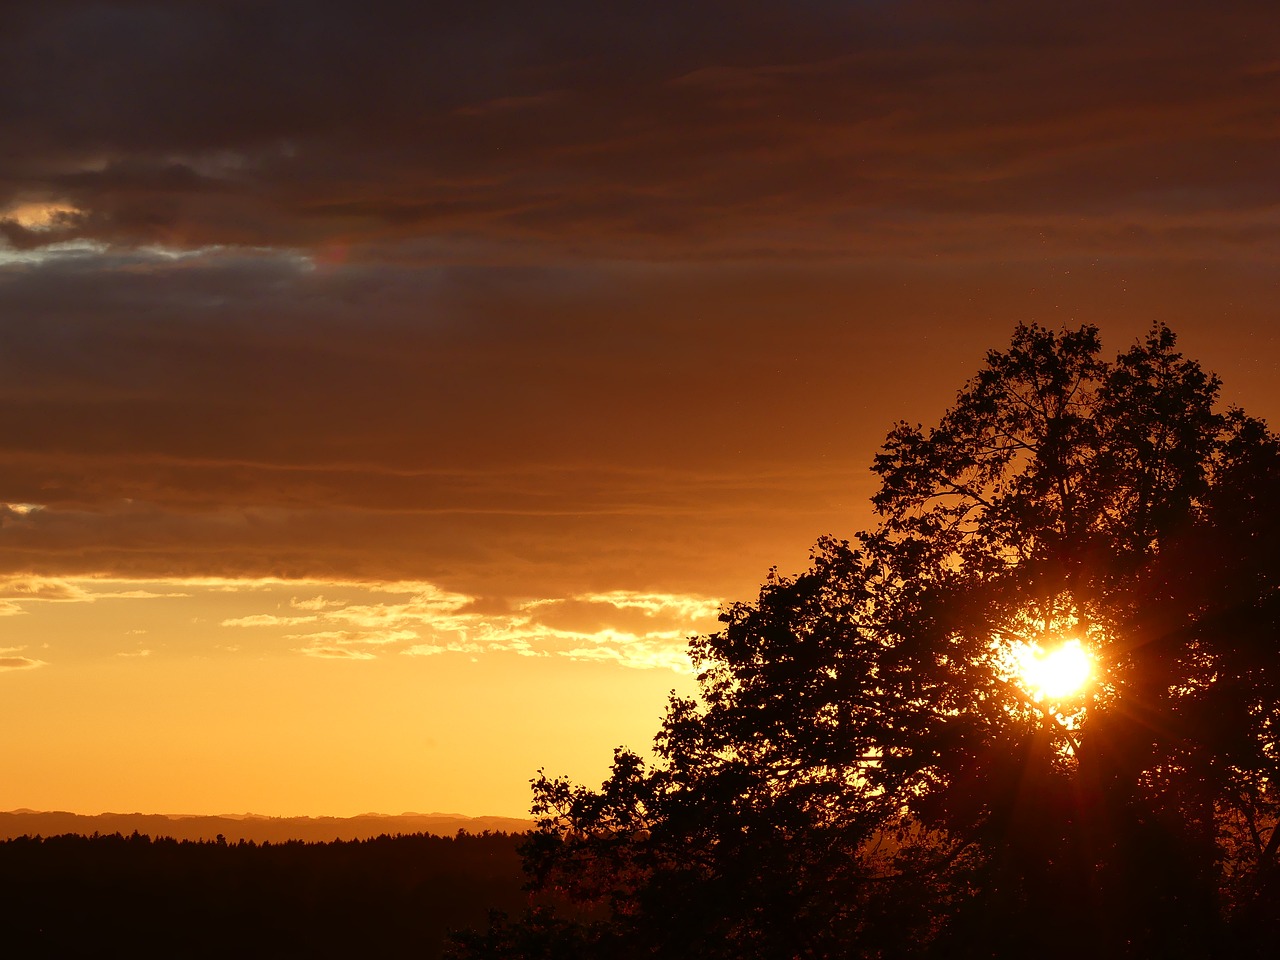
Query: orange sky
{"points": [[383, 397]]}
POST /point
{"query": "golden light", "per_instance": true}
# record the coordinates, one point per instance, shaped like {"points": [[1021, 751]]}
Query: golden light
{"points": [[1056, 673], [40, 215]]}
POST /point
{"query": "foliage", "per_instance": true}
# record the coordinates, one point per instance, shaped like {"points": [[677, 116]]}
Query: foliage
{"points": [[864, 772]]}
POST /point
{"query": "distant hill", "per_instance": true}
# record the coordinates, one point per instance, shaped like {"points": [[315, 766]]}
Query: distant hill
{"points": [[18, 823]]}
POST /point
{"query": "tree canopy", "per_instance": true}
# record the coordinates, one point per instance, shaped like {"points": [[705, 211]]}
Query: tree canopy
{"points": [[867, 772]]}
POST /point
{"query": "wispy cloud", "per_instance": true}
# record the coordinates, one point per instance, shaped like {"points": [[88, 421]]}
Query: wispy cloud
{"points": [[336, 653], [10, 659], [39, 588], [434, 649], [362, 637], [432, 623], [78, 590], [360, 621], [266, 620], [353, 619], [314, 603]]}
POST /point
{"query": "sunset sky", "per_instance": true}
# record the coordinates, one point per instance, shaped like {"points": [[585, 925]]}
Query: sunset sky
{"points": [[387, 390]]}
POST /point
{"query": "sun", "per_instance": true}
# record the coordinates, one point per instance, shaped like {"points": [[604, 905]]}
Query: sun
{"points": [[1057, 673]]}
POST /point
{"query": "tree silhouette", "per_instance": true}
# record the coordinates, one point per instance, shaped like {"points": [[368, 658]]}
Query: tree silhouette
{"points": [[866, 772], [135, 896]]}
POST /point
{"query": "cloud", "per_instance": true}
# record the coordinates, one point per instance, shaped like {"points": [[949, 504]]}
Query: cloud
{"points": [[637, 629], [623, 609], [39, 588], [336, 653], [646, 655], [315, 603], [344, 637], [22, 589], [817, 129], [491, 310], [420, 620], [509, 442], [266, 620], [10, 660], [434, 649], [642, 629]]}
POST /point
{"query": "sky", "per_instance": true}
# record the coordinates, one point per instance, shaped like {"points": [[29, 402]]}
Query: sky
{"points": [[388, 390]]}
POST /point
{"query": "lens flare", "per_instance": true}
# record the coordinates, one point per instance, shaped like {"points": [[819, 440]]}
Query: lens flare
{"points": [[1056, 673]]}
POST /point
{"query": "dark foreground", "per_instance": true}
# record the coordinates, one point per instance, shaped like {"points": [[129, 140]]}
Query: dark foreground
{"points": [[388, 897]]}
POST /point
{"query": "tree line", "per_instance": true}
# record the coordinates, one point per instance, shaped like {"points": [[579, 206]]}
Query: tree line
{"points": [[392, 896]]}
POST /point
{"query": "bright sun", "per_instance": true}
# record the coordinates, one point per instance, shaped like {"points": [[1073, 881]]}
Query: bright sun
{"points": [[1056, 673]]}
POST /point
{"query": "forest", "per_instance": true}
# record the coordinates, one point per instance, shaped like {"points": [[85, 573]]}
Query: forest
{"points": [[138, 896]]}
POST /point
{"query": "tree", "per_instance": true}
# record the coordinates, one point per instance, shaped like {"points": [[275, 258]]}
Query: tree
{"points": [[865, 771]]}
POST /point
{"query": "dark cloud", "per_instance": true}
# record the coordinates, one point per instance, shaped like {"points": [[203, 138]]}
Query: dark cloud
{"points": [[511, 431], [543, 299], [712, 129]]}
